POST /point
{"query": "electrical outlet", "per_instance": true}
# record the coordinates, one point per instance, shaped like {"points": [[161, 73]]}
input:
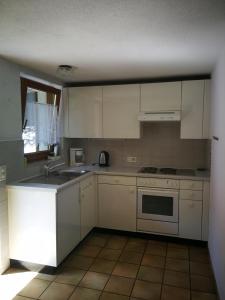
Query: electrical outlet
{"points": [[131, 159]]}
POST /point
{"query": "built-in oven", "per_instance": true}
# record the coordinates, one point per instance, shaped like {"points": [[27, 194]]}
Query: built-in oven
{"points": [[158, 204]]}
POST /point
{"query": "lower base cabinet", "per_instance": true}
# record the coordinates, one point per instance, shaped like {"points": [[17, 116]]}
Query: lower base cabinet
{"points": [[117, 207], [190, 219], [44, 224], [87, 205]]}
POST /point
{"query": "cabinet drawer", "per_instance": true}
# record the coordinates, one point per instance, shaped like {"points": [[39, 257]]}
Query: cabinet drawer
{"points": [[117, 180], [190, 195], [157, 226], [191, 185], [158, 183]]}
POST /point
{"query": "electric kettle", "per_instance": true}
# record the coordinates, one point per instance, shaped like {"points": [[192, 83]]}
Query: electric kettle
{"points": [[103, 160]]}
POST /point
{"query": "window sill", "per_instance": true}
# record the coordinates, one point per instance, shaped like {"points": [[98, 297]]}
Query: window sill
{"points": [[36, 156]]}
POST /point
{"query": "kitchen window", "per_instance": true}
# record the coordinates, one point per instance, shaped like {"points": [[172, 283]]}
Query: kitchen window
{"points": [[40, 118]]}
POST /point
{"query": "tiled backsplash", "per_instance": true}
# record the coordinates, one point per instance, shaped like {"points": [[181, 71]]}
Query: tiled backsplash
{"points": [[160, 145]]}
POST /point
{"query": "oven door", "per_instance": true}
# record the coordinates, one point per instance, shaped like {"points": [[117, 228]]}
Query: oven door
{"points": [[161, 205]]}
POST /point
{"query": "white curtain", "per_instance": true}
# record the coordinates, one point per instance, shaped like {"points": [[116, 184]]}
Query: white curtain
{"points": [[44, 120]]}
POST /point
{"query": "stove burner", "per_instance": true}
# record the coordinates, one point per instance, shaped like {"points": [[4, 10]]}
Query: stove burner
{"points": [[151, 170], [169, 171]]}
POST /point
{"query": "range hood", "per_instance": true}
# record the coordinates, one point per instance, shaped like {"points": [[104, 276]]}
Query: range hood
{"points": [[158, 116]]}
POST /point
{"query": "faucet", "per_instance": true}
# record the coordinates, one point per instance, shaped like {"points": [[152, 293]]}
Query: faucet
{"points": [[48, 168]]}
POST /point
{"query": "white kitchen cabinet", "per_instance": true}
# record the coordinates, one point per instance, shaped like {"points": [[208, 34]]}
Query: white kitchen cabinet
{"points": [[205, 210], [84, 112], [120, 111], [43, 224], [68, 220], [195, 109], [206, 134], [163, 96], [190, 219], [88, 205], [117, 207]]}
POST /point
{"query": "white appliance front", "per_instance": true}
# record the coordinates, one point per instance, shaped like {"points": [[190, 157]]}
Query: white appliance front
{"points": [[159, 205]]}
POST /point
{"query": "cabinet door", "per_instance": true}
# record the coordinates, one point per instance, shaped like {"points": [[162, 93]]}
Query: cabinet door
{"points": [[117, 207], [85, 112], [192, 109], [68, 221], [190, 219], [206, 112], [120, 111], [88, 206], [205, 210], [161, 96]]}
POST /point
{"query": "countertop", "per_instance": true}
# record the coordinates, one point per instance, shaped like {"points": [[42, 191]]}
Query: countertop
{"points": [[118, 171]]}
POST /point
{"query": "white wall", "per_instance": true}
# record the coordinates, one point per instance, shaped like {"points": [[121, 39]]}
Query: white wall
{"points": [[217, 205], [11, 144]]}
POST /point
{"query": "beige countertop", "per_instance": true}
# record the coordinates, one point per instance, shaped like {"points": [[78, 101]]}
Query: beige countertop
{"points": [[116, 171]]}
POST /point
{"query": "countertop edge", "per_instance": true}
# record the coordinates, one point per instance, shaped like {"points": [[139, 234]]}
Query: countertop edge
{"points": [[130, 173]]}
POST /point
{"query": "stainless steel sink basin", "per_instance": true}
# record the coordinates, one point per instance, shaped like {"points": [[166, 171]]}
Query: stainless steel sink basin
{"points": [[55, 178]]}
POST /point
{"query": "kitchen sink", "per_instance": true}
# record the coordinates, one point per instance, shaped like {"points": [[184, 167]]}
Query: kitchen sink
{"points": [[55, 178]]}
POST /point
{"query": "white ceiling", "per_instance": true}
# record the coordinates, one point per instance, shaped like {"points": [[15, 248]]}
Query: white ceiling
{"points": [[113, 39]]}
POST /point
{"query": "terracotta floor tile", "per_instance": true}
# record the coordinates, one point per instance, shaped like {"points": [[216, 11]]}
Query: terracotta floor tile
{"points": [[135, 247], [125, 270], [110, 254], [102, 266], [178, 253], [202, 296], [201, 269], [175, 293], [57, 291], [21, 298], [150, 274], [177, 245], [70, 276], [146, 290], [34, 288], [94, 280], [156, 242], [91, 251], [43, 276], [79, 262], [203, 284], [153, 261], [117, 243], [131, 257], [177, 279], [119, 285], [96, 241], [199, 254], [110, 296], [179, 265], [81, 293], [156, 249], [137, 240]]}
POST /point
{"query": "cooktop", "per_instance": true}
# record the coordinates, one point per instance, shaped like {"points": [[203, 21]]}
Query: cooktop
{"points": [[167, 171]]}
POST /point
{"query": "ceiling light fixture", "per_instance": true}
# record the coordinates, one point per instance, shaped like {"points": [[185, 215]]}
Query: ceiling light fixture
{"points": [[65, 70]]}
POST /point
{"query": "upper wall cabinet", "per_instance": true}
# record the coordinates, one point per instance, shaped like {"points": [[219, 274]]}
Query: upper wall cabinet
{"points": [[161, 96], [120, 111], [84, 112], [206, 134], [195, 109]]}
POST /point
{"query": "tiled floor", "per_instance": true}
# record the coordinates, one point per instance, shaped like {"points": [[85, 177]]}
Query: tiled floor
{"points": [[110, 267]]}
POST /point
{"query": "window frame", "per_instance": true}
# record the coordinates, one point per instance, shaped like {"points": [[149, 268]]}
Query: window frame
{"points": [[28, 83]]}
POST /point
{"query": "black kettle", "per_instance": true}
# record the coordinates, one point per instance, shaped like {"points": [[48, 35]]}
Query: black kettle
{"points": [[103, 159]]}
